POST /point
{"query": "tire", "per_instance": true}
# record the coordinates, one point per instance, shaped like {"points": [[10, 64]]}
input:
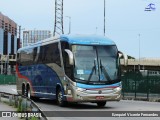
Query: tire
{"points": [[59, 98], [34, 98], [28, 94], [101, 104], [23, 90]]}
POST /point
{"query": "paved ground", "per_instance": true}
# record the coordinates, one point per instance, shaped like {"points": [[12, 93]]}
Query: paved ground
{"points": [[8, 89], [3, 108], [123, 105]]}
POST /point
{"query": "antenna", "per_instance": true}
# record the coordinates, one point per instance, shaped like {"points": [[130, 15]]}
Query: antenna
{"points": [[58, 25]]}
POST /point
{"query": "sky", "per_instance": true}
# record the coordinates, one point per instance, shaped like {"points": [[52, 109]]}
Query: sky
{"points": [[135, 31]]}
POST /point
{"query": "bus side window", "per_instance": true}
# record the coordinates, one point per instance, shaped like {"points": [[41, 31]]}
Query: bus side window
{"points": [[18, 59], [49, 54], [35, 55], [53, 55]]}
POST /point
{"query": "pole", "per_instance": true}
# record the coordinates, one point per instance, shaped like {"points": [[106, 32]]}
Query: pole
{"points": [[139, 47], [147, 87], [135, 95], [104, 16], [69, 24]]}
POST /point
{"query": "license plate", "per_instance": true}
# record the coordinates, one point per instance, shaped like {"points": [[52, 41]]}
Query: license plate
{"points": [[99, 97]]}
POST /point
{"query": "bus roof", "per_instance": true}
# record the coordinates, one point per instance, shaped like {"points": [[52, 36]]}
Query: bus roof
{"points": [[39, 43], [87, 39], [75, 39]]}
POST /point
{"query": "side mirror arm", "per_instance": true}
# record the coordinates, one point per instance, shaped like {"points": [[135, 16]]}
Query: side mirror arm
{"points": [[121, 54], [70, 55]]}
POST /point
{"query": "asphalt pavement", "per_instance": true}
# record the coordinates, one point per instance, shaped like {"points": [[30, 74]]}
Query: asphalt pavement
{"points": [[8, 89], [123, 105], [6, 111]]}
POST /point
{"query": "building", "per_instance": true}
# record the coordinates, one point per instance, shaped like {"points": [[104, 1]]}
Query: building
{"points": [[8, 43], [32, 36]]}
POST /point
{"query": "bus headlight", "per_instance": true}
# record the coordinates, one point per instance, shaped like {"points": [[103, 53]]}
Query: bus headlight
{"points": [[117, 89], [69, 92], [80, 89]]}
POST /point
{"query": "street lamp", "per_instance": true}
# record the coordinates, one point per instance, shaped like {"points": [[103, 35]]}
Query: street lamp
{"points": [[69, 24], [19, 31]]}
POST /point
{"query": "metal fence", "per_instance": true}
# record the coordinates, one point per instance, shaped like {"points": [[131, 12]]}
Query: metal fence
{"points": [[7, 79], [142, 84]]}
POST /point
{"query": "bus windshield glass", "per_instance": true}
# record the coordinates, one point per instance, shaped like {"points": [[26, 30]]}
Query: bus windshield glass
{"points": [[96, 64]]}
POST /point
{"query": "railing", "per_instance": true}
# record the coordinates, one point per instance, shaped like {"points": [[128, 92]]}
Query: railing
{"points": [[142, 85], [26, 108], [7, 58], [145, 62]]}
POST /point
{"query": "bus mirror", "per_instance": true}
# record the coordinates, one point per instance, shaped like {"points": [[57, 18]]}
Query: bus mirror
{"points": [[124, 56], [70, 55]]}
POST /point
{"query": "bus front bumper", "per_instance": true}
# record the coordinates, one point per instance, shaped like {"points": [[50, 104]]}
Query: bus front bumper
{"points": [[95, 95]]}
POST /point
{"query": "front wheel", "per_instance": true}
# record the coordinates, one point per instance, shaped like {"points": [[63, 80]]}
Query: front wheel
{"points": [[60, 100], [101, 104]]}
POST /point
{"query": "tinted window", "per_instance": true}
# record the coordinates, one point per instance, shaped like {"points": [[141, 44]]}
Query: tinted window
{"points": [[40, 55], [26, 57], [35, 54], [49, 54]]}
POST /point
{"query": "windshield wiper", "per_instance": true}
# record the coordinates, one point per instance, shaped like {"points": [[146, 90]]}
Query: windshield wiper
{"points": [[104, 71], [93, 69]]}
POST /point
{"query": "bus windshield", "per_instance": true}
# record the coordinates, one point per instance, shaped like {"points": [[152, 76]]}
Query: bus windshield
{"points": [[96, 64]]}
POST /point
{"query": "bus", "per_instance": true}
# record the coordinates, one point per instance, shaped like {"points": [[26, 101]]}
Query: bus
{"points": [[70, 68]]}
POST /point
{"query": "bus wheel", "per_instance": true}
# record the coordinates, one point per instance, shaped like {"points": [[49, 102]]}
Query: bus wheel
{"points": [[60, 100], [101, 104], [23, 90]]}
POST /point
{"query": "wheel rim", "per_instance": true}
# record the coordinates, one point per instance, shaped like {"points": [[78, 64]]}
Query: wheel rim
{"points": [[60, 97], [28, 94]]}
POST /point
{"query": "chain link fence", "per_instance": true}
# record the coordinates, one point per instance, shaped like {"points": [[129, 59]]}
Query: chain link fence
{"points": [[143, 84]]}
